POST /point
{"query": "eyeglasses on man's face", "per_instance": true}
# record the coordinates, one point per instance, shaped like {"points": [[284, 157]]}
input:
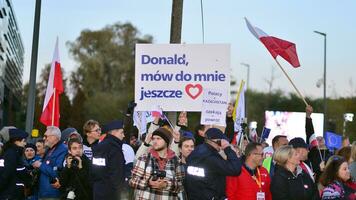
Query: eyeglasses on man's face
{"points": [[46, 136]]}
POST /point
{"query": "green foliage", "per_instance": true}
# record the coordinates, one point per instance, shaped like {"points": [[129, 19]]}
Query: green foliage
{"points": [[103, 83]]}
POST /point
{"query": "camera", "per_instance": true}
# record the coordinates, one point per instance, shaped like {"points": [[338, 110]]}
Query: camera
{"points": [[158, 174], [74, 163]]}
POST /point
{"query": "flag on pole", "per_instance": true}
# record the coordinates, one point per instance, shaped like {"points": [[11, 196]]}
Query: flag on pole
{"points": [[238, 114], [50, 112], [239, 109], [333, 140], [276, 46], [140, 121], [265, 133], [253, 135], [157, 111]]}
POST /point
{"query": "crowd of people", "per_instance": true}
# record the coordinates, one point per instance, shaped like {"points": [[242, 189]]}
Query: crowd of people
{"points": [[114, 161]]}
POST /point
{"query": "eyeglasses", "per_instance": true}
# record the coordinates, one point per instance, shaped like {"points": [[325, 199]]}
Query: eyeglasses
{"points": [[46, 136], [96, 130]]}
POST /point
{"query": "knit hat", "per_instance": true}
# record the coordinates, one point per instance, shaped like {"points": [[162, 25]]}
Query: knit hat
{"points": [[67, 132], [164, 134], [298, 143], [32, 146]]}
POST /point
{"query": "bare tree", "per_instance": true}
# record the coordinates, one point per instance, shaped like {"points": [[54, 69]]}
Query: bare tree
{"points": [[271, 79], [352, 90]]}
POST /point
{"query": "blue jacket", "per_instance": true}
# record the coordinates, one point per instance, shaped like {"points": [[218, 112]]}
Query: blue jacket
{"points": [[207, 170], [51, 164]]}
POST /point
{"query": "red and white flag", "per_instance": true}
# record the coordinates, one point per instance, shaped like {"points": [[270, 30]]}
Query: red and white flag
{"points": [[276, 46], [50, 113], [313, 141]]}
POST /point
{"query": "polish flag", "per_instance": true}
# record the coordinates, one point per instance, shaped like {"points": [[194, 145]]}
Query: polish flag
{"points": [[50, 113], [276, 46]]}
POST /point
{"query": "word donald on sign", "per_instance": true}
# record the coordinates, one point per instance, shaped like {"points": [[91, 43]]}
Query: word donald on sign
{"points": [[175, 76]]}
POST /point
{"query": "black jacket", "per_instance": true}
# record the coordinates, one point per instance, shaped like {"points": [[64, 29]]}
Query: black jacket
{"points": [[207, 170], [314, 155], [77, 180], [13, 174], [108, 168], [286, 186]]}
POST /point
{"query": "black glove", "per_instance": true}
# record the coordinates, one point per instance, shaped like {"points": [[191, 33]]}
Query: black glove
{"points": [[130, 107]]}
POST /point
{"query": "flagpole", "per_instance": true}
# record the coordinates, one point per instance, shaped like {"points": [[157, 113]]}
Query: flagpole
{"points": [[54, 104], [290, 80], [321, 157], [262, 134]]}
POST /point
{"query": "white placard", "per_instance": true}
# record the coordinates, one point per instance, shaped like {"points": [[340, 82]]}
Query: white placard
{"points": [[174, 76], [214, 107]]}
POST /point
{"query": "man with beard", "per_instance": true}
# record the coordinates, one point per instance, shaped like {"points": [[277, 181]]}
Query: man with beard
{"points": [[158, 174]]}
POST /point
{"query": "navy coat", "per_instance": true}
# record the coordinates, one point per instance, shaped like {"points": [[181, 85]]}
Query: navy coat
{"points": [[108, 169]]}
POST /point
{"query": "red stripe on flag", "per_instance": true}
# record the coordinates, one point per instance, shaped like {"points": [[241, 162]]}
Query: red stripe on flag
{"points": [[46, 116], [283, 48], [58, 83]]}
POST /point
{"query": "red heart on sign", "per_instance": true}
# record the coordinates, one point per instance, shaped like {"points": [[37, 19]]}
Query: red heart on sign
{"points": [[193, 90]]}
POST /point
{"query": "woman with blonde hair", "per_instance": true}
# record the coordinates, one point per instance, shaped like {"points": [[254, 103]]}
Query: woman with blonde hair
{"points": [[289, 181]]}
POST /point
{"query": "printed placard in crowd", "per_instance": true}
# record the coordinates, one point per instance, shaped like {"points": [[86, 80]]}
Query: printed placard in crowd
{"points": [[214, 107], [174, 76]]}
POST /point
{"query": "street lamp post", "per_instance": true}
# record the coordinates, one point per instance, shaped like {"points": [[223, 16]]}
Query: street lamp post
{"points": [[248, 74], [324, 35]]}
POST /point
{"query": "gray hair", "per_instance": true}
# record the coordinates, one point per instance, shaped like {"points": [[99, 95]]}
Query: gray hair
{"points": [[53, 130]]}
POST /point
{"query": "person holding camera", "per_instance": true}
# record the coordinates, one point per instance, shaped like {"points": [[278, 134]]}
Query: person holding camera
{"points": [[30, 158], [74, 179], [158, 174]]}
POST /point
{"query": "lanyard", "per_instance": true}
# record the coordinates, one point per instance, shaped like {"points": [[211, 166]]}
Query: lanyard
{"points": [[258, 180]]}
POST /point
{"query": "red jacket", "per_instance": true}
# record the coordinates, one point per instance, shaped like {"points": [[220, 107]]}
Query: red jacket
{"points": [[245, 187]]}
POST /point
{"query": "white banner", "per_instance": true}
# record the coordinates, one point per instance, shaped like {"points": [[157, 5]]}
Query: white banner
{"points": [[214, 107], [174, 76]]}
